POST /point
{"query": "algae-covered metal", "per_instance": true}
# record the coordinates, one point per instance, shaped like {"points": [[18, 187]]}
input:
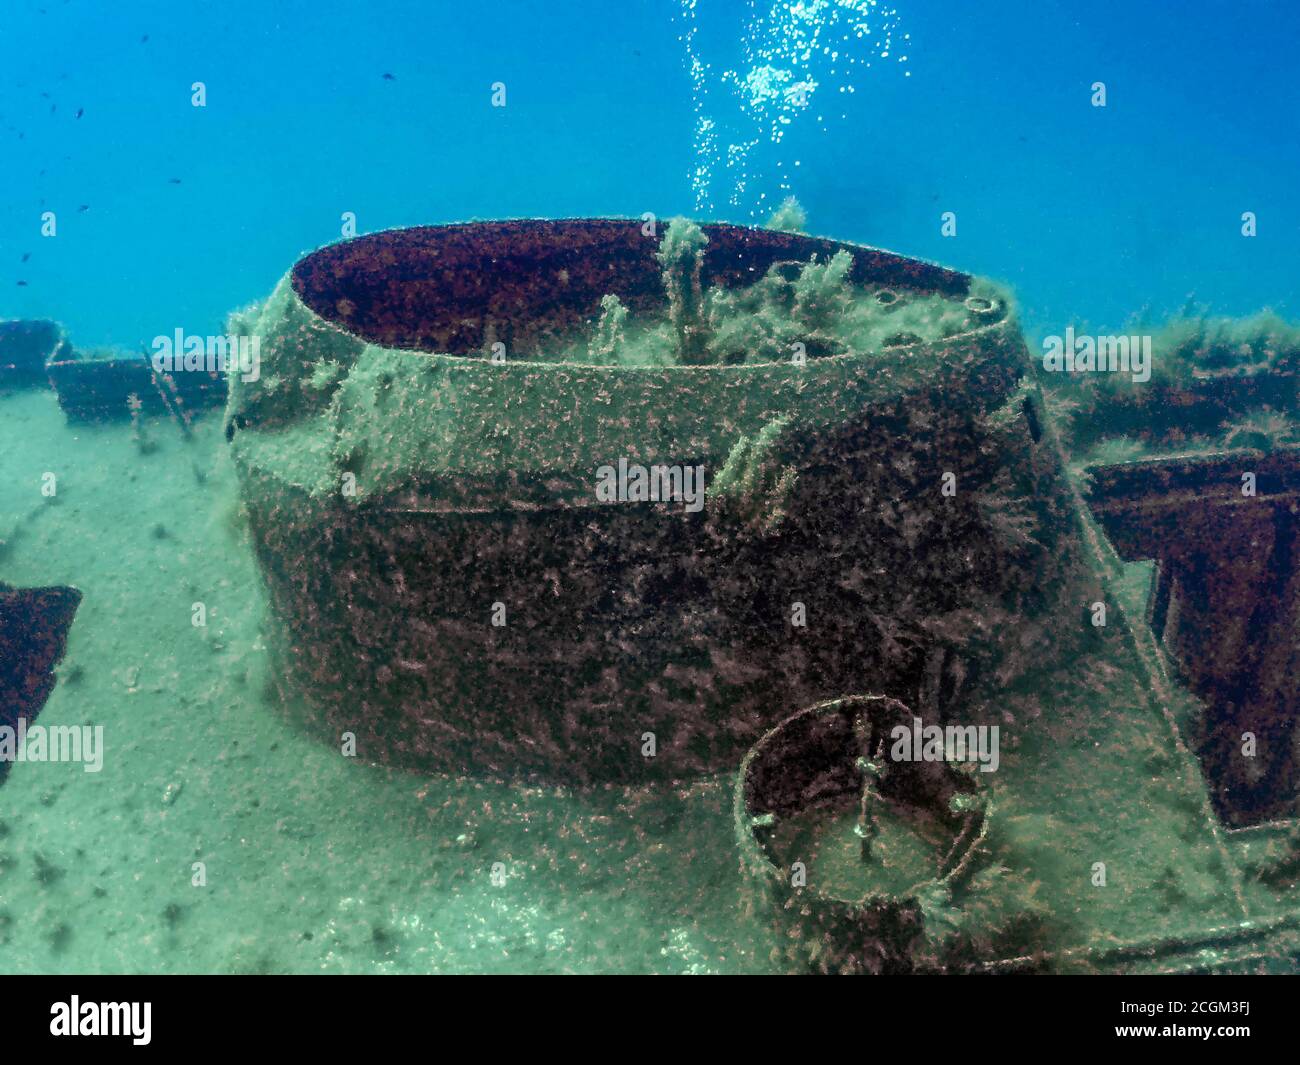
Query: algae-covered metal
{"points": [[449, 587], [830, 763], [34, 625], [26, 345]]}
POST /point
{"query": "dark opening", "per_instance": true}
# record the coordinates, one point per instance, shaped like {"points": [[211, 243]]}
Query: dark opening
{"points": [[457, 289]]}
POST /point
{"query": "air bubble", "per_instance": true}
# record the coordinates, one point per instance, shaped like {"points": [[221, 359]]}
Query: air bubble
{"points": [[791, 51]]}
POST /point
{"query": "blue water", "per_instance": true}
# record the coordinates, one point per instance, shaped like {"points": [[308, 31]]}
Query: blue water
{"points": [[168, 216], [1090, 213]]}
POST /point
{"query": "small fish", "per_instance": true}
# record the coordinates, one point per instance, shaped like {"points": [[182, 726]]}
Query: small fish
{"points": [[80, 111], [83, 208], [144, 39], [173, 181], [22, 284], [26, 255], [389, 77]]}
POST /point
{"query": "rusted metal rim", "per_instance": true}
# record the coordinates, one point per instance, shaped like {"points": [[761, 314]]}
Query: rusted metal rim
{"points": [[766, 785], [457, 289]]}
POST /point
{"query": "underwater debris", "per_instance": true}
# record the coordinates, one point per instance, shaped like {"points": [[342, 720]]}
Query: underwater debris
{"points": [[25, 347], [882, 846], [1216, 384], [111, 384], [422, 453], [1222, 606], [97, 384], [34, 624]]}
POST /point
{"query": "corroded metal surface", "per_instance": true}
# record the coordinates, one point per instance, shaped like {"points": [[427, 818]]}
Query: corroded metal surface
{"points": [[34, 624], [638, 626], [94, 388], [26, 345], [1226, 605], [457, 288], [810, 764], [1169, 413]]}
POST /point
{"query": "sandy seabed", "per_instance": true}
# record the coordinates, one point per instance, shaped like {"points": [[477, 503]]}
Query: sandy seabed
{"points": [[313, 861]]}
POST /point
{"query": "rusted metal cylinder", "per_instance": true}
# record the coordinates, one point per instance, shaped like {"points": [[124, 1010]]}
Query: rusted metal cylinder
{"points": [[445, 584], [808, 772]]}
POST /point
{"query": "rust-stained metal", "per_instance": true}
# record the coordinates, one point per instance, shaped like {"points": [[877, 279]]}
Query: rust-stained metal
{"points": [[812, 766], [457, 288], [1222, 530], [34, 624], [108, 386], [26, 345], [635, 641]]}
